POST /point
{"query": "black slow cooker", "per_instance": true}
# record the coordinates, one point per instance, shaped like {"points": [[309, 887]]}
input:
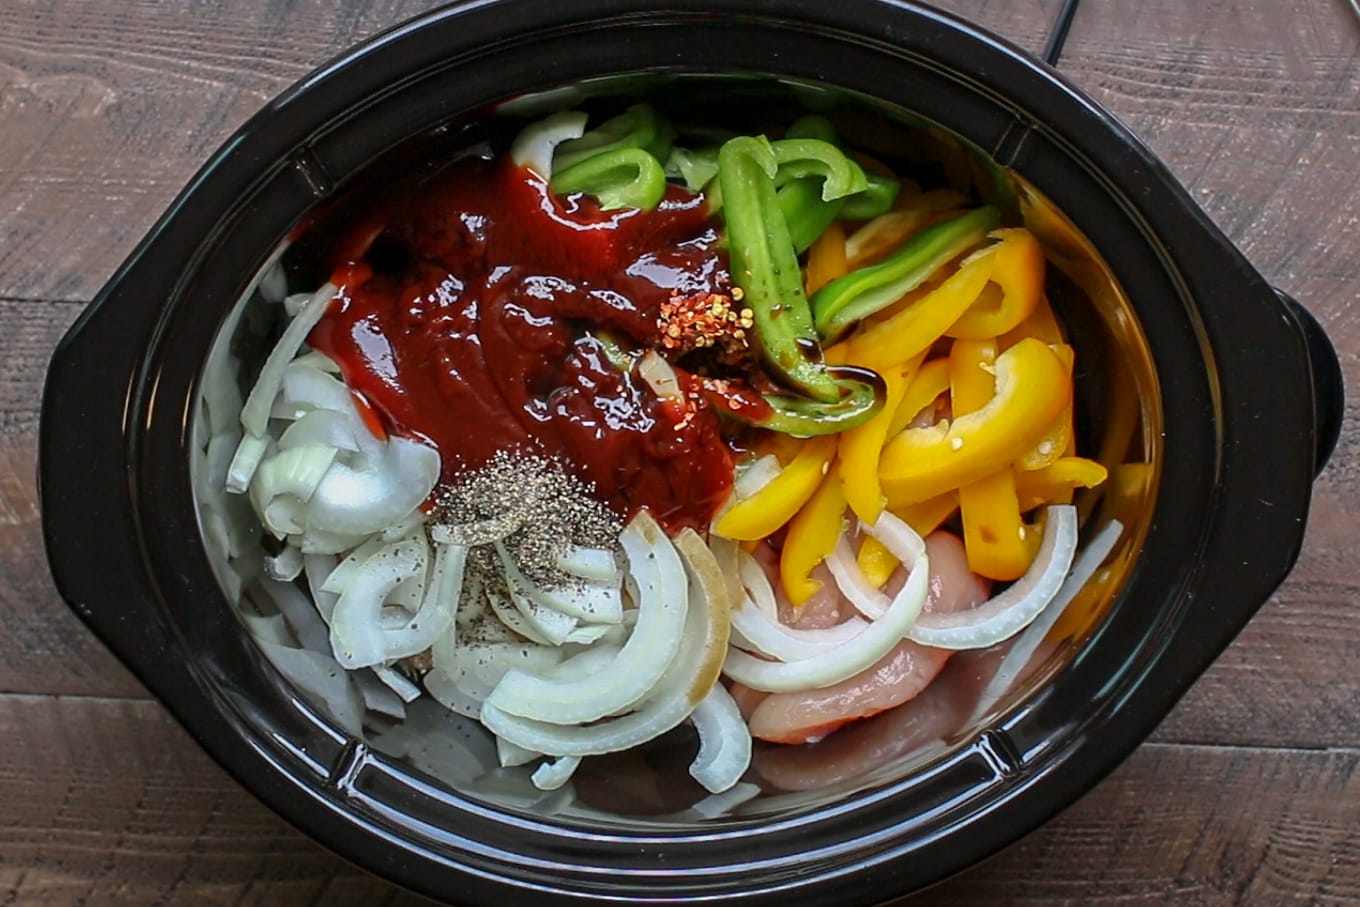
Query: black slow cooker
{"points": [[1238, 405]]}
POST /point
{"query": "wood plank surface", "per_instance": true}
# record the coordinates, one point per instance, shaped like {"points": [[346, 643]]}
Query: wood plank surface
{"points": [[1248, 794], [123, 808]]}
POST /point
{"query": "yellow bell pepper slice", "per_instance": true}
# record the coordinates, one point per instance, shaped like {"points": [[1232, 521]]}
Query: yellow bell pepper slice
{"points": [[1054, 484], [931, 380], [1031, 390], [860, 448], [813, 533], [1018, 271], [880, 236], [764, 512], [913, 330], [826, 258], [1041, 324], [877, 563], [785, 448], [1059, 439], [995, 539], [994, 536]]}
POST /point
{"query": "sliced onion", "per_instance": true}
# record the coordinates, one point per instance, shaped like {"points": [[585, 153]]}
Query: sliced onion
{"points": [[268, 629], [297, 611], [283, 516], [552, 775], [340, 577], [585, 663], [318, 541], [720, 804], [691, 675], [306, 389], [761, 632], [272, 280], [380, 697], [595, 602], [756, 476], [397, 682], [317, 568], [727, 553], [255, 412], [596, 564], [586, 634], [1004, 615], [653, 562], [533, 147], [552, 627], [285, 566], [356, 631], [660, 377], [724, 741], [530, 619], [298, 472], [220, 451], [320, 426], [479, 667], [319, 361], [509, 755], [1025, 645], [434, 617], [854, 585], [372, 496], [451, 696], [293, 303], [322, 680], [412, 524], [858, 653], [249, 452]]}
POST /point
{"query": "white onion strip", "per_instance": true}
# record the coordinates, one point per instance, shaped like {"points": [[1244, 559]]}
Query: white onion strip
{"points": [[756, 630], [552, 775], [591, 602], [854, 585], [377, 491], [690, 677], [724, 741], [596, 564], [356, 631], [660, 575], [1004, 615], [533, 147], [434, 617], [866, 647], [255, 412], [1027, 643]]}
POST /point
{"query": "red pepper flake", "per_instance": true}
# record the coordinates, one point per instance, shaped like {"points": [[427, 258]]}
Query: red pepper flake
{"points": [[704, 321]]}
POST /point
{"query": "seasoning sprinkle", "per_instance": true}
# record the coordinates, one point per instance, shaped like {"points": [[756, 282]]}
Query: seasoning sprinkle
{"points": [[534, 507]]}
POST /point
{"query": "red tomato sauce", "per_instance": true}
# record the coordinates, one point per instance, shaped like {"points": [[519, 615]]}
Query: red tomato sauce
{"points": [[465, 316]]}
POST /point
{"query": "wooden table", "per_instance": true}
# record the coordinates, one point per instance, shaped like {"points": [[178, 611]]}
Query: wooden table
{"points": [[1249, 793]]}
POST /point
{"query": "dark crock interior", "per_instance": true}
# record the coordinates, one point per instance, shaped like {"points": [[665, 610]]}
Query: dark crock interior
{"points": [[1205, 342]]}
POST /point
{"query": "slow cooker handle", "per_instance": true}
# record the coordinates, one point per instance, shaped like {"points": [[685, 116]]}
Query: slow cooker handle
{"points": [[1329, 388]]}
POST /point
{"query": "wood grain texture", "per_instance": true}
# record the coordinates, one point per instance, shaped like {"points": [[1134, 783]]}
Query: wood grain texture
{"points": [[37, 631], [123, 808], [111, 108], [1255, 106], [1249, 796]]}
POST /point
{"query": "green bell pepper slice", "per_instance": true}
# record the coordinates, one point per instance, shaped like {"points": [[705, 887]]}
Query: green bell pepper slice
{"points": [[859, 294], [638, 127], [764, 265], [863, 395], [622, 178]]}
